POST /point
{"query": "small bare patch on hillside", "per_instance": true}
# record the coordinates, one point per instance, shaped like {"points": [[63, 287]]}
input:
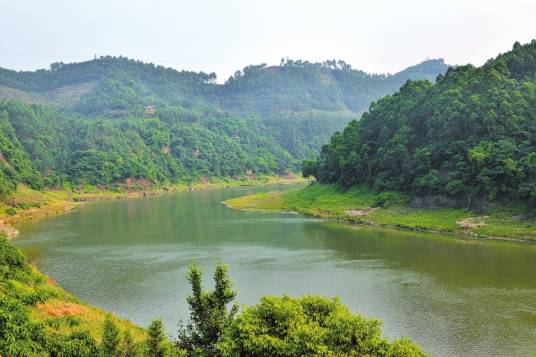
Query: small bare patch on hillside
{"points": [[27, 97], [360, 212], [58, 308], [68, 96], [65, 96], [472, 222]]}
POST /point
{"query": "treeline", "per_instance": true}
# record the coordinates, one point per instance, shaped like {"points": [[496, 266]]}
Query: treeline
{"points": [[470, 135], [277, 326], [304, 86], [61, 74]]}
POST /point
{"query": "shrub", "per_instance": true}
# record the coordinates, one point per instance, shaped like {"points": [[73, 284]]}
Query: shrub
{"points": [[308, 326], [110, 338], [12, 262], [156, 340], [389, 199]]}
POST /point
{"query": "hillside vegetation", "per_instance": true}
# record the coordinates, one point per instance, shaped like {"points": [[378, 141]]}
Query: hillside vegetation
{"points": [[42, 146], [469, 140], [455, 156], [113, 119]]}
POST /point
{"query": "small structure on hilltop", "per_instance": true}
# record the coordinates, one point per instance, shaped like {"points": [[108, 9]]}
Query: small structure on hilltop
{"points": [[150, 109]]}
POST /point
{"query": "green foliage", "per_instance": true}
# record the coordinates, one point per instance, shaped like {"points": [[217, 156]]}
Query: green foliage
{"points": [[19, 335], [309, 168], [71, 150], [13, 264], [298, 86], [110, 338], [307, 326], [470, 135], [279, 326], [263, 120], [157, 345], [304, 103], [76, 344], [208, 311], [15, 164], [128, 347], [389, 199]]}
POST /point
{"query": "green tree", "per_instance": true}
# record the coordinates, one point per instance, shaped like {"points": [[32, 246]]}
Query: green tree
{"points": [[110, 338], [470, 134], [309, 168], [308, 326], [128, 346], [209, 314], [156, 341]]}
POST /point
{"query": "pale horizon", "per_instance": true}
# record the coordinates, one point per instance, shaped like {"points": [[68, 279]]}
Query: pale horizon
{"points": [[376, 37]]}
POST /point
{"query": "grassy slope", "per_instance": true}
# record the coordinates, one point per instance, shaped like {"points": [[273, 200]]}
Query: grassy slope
{"points": [[64, 313], [327, 201]]}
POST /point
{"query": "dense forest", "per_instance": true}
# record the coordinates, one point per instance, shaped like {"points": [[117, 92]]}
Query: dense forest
{"points": [[113, 119], [43, 147], [471, 135]]}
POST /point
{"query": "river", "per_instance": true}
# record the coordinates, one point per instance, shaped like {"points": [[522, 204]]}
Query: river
{"points": [[455, 297]]}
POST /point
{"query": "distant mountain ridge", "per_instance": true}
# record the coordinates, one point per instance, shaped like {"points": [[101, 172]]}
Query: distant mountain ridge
{"points": [[331, 85]]}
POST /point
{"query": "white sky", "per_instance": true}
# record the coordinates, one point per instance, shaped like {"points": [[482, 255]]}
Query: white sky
{"points": [[226, 35]]}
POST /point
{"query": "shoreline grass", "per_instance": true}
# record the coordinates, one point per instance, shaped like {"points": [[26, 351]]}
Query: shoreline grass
{"points": [[389, 209]]}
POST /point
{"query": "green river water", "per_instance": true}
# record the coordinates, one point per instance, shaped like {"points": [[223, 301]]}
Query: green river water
{"points": [[455, 297]]}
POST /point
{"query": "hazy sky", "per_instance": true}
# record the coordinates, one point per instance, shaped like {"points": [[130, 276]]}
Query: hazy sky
{"points": [[226, 35]]}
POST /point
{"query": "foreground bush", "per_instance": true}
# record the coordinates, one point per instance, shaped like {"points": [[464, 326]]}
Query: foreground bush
{"points": [[280, 326], [308, 326]]}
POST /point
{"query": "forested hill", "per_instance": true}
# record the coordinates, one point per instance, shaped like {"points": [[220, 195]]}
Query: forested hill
{"points": [[119, 86], [42, 147], [301, 103], [107, 86], [111, 119], [305, 103], [470, 135]]}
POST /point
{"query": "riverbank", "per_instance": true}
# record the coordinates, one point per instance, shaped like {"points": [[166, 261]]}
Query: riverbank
{"points": [[362, 206], [26, 204]]}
